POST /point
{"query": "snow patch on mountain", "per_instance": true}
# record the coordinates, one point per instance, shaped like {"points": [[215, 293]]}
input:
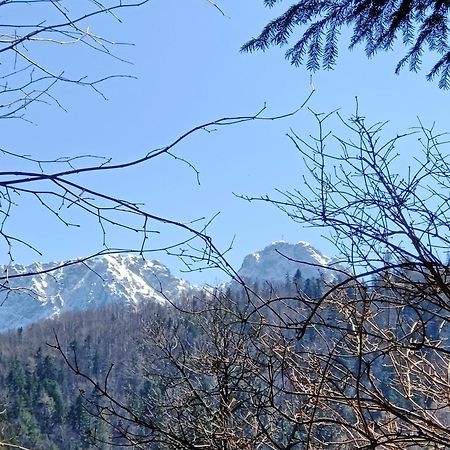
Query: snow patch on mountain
{"points": [[108, 279], [129, 279], [281, 259]]}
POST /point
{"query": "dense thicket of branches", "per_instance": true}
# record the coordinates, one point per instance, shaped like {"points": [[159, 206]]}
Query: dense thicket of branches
{"points": [[422, 26], [386, 204], [360, 364]]}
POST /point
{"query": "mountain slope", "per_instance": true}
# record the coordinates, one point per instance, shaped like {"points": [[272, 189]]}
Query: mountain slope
{"points": [[108, 279]]}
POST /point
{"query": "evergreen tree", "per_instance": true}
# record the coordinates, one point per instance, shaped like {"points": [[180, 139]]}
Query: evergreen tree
{"points": [[308, 288], [80, 421], [298, 280], [375, 24]]}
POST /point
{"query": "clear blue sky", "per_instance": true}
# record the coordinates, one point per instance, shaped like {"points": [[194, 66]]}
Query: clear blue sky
{"points": [[189, 71]]}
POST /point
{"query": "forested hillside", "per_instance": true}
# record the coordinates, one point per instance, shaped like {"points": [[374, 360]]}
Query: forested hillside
{"points": [[42, 399], [271, 366], [46, 405]]}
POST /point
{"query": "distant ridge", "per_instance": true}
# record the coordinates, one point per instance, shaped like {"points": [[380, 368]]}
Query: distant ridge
{"points": [[107, 279], [130, 280]]}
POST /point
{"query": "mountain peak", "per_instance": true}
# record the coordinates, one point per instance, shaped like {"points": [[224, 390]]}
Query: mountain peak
{"points": [[281, 259]]}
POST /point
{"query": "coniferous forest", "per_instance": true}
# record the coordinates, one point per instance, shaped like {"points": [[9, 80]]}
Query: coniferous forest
{"points": [[43, 401], [47, 405]]}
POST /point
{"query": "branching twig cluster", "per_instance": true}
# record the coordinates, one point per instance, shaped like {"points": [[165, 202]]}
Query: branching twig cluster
{"points": [[362, 365], [29, 27]]}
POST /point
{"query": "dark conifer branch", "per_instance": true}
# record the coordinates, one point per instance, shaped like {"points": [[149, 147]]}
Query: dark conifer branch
{"points": [[422, 25]]}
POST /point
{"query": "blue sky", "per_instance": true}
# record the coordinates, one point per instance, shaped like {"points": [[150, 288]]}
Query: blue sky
{"points": [[189, 70]]}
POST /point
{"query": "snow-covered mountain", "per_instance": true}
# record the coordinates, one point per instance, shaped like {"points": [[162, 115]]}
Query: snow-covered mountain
{"points": [[129, 279], [281, 259], [107, 279]]}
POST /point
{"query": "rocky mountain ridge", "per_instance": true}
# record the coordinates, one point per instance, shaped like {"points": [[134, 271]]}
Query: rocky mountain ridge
{"points": [[129, 279]]}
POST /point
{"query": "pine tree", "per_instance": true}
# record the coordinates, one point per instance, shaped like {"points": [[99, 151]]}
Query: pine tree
{"points": [[80, 420], [376, 24], [298, 279]]}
